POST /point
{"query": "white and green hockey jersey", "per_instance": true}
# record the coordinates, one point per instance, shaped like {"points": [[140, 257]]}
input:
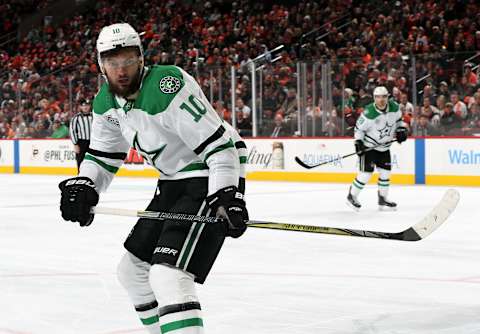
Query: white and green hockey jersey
{"points": [[171, 124], [375, 127]]}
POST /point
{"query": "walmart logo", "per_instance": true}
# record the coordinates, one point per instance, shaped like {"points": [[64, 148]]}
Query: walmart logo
{"points": [[461, 157]]}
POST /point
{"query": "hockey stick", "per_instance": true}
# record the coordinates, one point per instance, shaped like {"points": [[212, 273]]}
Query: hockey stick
{"points": [[420, 230], [307, 166]]}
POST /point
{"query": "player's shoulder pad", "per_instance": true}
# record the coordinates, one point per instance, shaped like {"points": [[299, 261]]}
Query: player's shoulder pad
{"points": [[103, 101], [160, 86], [393, 106], [370, 112]]}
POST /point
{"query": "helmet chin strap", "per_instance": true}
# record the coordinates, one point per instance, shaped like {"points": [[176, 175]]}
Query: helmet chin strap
{"points": [[140, 78]]}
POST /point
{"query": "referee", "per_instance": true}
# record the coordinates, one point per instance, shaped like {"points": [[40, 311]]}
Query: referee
{"points": [[80, 127]]}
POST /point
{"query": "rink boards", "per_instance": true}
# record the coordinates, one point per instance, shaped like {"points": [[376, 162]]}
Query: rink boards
{"points": [[432, 161]]}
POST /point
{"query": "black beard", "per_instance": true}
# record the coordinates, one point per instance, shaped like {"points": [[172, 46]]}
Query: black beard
{"points": [[129, 90]]}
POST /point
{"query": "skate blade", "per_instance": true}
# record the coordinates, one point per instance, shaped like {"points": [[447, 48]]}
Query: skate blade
{"points": [[352, 206], [387, 208]]}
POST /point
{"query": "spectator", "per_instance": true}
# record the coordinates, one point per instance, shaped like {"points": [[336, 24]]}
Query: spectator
{"points": [[472, 126], [223, 112], [244, 124], [428, 109], [406, 108], [363, 98], [443, 89], [421, 126], [469, 75], [279, 128], [289, 106], [40, 131], [371, 49], [458, 106], [60, 130], [428, 94], [450, 122], [242, 108]]}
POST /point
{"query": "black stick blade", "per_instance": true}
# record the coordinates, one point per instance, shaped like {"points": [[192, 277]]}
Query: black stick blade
{"points": [[301, 163]]}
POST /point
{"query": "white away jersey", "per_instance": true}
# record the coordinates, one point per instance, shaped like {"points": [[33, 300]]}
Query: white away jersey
{"points": [[375, 127], [170, 123]]}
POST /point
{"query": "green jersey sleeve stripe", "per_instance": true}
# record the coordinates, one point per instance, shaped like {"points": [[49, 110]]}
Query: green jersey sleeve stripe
{"points": [[111, 169], [219, 148], [116, 155], [194, 166], [217, 135]]}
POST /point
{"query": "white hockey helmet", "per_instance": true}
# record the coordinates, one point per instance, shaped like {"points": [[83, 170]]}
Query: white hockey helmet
{"points": [[116, 36], [380, 91]]}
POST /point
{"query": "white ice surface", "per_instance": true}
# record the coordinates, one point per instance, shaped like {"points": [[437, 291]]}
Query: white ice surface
{"points": [[56, 277]]}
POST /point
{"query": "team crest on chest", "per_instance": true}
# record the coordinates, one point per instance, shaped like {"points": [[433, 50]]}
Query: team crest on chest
{"points": [[169, 85]]}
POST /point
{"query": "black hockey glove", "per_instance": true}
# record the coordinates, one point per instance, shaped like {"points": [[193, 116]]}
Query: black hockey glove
{"points": [[401, 133], [228, 203], [359, 147], [78, 197]]}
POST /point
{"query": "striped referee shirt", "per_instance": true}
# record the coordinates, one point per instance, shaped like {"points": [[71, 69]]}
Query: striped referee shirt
{"points": [[80, 127]]}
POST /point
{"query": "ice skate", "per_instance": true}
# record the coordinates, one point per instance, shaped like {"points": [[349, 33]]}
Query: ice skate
{"points": [[353, 203], [386, 205]]}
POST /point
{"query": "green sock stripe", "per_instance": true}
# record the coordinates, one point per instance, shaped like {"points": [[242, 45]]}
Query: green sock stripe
{"points": [[171, 326], [383, 183], [229, 144], [357, 185], [194, 166], [360, 183], [150, 321]]}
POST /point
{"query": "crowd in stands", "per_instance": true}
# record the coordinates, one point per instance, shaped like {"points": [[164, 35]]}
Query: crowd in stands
{"points": [[46, 73]]}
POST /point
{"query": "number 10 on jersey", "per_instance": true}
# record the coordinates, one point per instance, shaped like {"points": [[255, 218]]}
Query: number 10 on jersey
{"points": [[195, 107]]}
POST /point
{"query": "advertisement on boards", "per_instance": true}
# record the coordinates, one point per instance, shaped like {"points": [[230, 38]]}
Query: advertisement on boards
{"points": [[6, 155], [47, 153], [458, 156], [279, 154]]}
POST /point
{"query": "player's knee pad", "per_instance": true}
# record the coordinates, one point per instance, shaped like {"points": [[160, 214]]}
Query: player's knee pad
{"points": [[172, 285], [132, 274]]}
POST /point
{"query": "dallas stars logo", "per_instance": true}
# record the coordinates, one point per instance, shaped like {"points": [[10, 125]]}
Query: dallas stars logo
{"points": [[385, 132], [150, 156], [169, 85]]}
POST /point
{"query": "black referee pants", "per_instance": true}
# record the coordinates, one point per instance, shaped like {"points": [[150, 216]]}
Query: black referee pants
{"points": [[83, 149]]}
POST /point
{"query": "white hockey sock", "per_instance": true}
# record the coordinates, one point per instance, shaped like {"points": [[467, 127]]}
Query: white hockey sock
{"points": [[179, 309], [148, 314], [360, 181], [383, 182], [133, 275]]}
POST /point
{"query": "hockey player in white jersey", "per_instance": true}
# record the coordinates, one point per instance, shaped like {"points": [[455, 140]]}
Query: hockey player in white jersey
{"points": [[378, 125], [162, 113]]}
